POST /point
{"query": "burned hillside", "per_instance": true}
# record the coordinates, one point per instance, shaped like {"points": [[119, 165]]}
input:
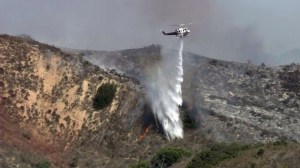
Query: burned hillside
{"points": [[233, 101], [48, 118]]}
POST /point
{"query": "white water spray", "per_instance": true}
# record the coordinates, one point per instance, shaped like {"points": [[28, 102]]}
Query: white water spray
{"points": [[164, 90]]}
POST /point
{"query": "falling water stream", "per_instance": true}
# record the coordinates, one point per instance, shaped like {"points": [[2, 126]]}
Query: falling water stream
{"points": [[165, 93]]}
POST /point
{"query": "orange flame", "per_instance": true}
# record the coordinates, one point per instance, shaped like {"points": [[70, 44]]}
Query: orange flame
{"points": [[143, 136]]}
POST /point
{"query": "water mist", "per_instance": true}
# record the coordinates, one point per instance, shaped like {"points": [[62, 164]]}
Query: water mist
{"points": [[164, 90]]}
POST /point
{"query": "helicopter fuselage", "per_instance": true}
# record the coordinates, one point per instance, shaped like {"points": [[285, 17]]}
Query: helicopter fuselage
{"points": [[180, 32]]}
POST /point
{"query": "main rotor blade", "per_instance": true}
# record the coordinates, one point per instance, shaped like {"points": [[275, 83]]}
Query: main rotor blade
{"points": [[180, 25]]}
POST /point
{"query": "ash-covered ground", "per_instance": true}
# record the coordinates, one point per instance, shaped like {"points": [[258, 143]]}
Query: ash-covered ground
{"points": [[230, 101]]}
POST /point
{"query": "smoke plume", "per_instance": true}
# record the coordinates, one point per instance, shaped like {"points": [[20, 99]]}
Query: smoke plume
{"points": [[228, 30], [164, 90]]}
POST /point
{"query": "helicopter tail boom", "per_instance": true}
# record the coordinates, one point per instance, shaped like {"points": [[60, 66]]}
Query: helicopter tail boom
{"points": [[171, 33]]}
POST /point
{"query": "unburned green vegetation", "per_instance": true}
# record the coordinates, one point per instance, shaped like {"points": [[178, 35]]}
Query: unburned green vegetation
{"points": [[187, 117], [43, 164], [281, 153], [168, 156], [141, 164], [216, 155], [189, 122], [104, 96], [165, 157]]}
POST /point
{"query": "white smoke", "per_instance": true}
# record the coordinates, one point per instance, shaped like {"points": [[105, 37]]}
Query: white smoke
{"points": [[164, 89]]}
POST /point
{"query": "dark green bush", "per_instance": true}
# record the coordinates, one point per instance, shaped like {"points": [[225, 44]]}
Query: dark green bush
{"points": [[26, 37], [260, 152], [141, 164], [252, 165], [186, 115], [188, 122], [43, 164], [167, 156], [216, 155], [104, 96], [281, 142]]}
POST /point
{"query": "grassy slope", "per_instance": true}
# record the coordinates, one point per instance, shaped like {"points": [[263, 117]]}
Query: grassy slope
{"points": [[281, 155], [278, 154]]}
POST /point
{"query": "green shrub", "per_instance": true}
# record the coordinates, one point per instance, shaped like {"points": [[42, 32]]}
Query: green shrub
{"points": [[43, 164], [281, 142], [141, 164], [167, 156], [260, 152], [252, 165], [104, 96], [216, 155], [26, 37], [188, 122]]}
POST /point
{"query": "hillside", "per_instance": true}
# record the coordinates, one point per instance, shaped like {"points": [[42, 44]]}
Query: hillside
{"points": [[49, 117], [231, 101], [46, 105]]}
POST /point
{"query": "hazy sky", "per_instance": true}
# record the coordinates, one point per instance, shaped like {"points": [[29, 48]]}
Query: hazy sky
{"points": [[232, 29]]}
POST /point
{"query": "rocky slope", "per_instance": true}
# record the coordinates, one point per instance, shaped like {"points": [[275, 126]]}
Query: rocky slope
{"points": [[46, 106]]}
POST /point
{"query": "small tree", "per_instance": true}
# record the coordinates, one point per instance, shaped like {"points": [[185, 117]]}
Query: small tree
{"points": [[104, 96], [26, 37], [43, 164], [141, 164], [167, 156]]}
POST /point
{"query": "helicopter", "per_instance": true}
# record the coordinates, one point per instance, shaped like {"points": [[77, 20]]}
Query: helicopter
{"points": [[179, 32]]}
